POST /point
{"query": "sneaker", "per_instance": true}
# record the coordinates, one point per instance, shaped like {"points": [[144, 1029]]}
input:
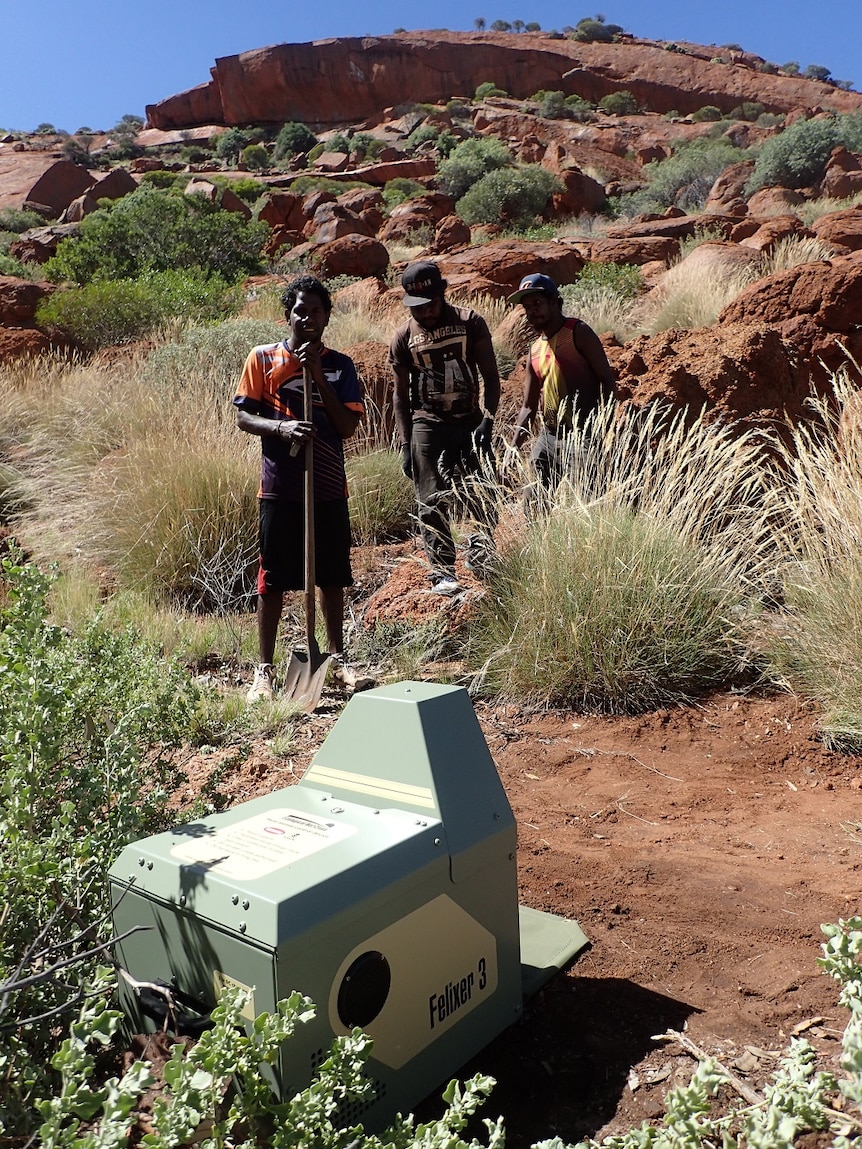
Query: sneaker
{"points": [[349, 676], [262, 687], [446, 585]]}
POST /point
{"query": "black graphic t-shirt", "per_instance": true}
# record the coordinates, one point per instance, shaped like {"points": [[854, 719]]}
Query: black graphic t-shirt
{"points": [[444, 381]]}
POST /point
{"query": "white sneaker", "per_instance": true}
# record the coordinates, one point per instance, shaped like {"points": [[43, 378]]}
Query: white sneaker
{"points": [[349, 676], [446, 585], [262, 687]]}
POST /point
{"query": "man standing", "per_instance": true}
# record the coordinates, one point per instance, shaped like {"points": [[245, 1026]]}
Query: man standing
{"points": [[437, 358], [269, 403], [567, 372]]}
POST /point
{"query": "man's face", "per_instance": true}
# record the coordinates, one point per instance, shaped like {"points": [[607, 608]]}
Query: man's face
{"points": [[308, 318], [428, 315], [542, 312]]}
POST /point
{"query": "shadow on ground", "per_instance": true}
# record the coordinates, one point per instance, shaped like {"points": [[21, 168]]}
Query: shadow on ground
{"points": [[561, 1070]]}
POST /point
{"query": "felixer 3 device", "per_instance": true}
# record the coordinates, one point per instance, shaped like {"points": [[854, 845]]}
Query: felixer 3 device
{"points": [[383, 886]]}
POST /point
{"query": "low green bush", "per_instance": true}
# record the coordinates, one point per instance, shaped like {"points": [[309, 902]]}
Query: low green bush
{"points": [[151, 231], [708, 113], [514, 196], [469, 161], [620, 103], [683, 179], [292, 139], [625, 279], [255, 157], [488, 88], [588, 30], [110, 312], [215, 352], [19, 220], [87, 727], [400, 190]]}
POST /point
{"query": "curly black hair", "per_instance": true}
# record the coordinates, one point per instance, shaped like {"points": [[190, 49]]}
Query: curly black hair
{"points": [[306, 284]]}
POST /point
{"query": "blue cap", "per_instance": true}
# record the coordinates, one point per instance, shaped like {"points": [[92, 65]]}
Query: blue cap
{"points": [[534, 282]]}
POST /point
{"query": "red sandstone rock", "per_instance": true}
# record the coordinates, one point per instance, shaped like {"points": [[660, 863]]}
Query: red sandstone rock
{"points": [[350, 255], [19, 299], [282, 209], [332, 220], [637, 250], [841, 227], [774, 201], [42, 181], [451, 232], [729, 187], [499, 266], [39, 243], [344, 80], [772, 230], [331, 162]]}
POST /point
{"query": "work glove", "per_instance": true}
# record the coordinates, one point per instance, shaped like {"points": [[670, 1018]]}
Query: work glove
{"points": [[482, 436], [407, 461]]}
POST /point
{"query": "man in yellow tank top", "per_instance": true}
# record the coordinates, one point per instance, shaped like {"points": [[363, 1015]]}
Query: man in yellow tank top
{"points": [[568, 375]]}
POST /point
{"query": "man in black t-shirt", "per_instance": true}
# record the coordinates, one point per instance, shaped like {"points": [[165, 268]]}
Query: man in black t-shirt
{"points": [[437, 358]]}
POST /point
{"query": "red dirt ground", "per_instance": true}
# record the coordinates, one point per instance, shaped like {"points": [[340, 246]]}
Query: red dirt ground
{"points": [[700, 849]]}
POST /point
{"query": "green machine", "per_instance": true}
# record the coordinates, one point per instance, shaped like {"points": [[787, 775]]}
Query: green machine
{"points": [[383, 886]]}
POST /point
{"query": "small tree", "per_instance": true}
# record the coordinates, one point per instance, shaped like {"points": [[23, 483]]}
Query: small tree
{"points": [[293, 139], [469, 161], [532, 27], [501, 26], [230, 144], [514, 196], [479, 23], [517, 25], [817, 72], [488, 89], [620, 103], [255, 157]]}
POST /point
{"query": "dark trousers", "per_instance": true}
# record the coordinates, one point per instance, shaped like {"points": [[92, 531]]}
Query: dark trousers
{"points": [[448, 476]]}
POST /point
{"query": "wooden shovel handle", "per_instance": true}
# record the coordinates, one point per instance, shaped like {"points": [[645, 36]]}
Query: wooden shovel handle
{"points": [[307, 396]]}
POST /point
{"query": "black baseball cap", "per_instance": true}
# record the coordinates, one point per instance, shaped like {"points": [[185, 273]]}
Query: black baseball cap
{"points": [[534, 282], [422, 282]]}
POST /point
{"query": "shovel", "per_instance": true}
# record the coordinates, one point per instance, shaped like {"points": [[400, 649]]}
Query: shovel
{"points": [[306, 671]]}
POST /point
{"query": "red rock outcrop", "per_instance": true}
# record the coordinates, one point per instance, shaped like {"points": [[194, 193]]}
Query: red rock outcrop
{"points": [[342, 80], [41, 180]]}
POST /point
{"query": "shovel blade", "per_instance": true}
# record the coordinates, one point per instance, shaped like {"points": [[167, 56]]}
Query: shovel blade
{"points": [[304, 678]]}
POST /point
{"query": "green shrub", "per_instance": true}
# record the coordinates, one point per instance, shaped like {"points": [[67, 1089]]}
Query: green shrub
{"points": [[230, 143], [292, 139], [684, 179], [508, 195], [337, 142], [553, 106], [625, 279], [149, 231], [579, 108], [795, 158], [304, 185], [255, 157], [588, 30], [163, 180], [471, 160], [488, 88], [620, 103], [400, 190], [109, 312], [422, 133], [748, 110], [86, 728], [13, 219], [247, 188], [706, 114], [215, 352]]}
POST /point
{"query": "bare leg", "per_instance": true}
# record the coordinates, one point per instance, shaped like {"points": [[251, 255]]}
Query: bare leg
{"points": [[332, 606], [269, 608]]}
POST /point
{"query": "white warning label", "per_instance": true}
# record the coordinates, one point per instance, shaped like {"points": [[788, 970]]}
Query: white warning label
{"points": [[259, 845]]}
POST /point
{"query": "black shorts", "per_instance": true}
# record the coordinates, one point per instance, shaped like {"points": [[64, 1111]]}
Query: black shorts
{"points": [[282, 545]]}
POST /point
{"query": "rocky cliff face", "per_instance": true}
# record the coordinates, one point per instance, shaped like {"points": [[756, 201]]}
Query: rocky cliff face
{"points": [[344, 80]]}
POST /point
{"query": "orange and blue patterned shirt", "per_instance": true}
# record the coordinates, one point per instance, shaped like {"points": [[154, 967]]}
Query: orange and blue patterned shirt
{"points": [[271, 386]]}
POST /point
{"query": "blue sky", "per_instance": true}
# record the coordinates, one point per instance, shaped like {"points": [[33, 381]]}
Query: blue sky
{"points": [[88, 64]]}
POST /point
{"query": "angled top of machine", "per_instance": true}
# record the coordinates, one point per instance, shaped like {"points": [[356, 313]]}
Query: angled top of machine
{"points": [[417, 746]]}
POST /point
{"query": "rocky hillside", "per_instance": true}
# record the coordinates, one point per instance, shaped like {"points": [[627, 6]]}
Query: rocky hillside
{"points": [[339, 81]]}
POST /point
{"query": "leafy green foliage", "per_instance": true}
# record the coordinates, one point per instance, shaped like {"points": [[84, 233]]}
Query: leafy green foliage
{"points": [[589, 29], [471, 160], [150, 231], [255, 157], [109, 312], [625, 279], [488, 88], [683, 179], [13, 219], [620, 103], [292, 139], [85, 729], [230, 143], [509, 195], [213, 352], [400, 190], [708, 113]]}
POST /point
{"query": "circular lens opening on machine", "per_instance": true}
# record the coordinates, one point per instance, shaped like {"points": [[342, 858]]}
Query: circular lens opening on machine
{"points": [[364, 989]]}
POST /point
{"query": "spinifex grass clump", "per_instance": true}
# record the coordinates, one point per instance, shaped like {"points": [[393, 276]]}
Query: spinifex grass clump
{"points": [[819, 646], [382, 504], [630, 590]]}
